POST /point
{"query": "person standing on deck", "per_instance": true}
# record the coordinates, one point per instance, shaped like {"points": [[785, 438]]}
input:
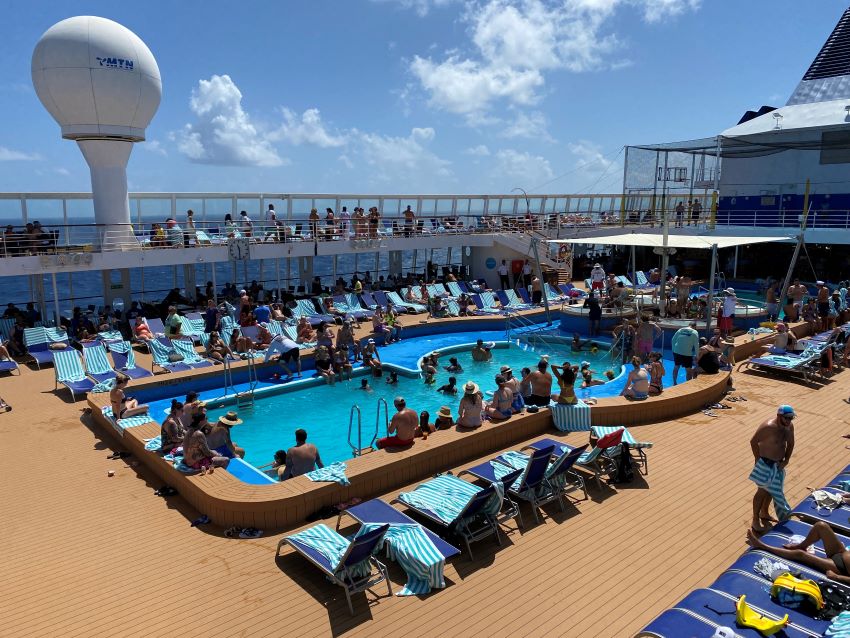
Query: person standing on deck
{"points": [[597, 278], [409, 219], [772, 445], [536, 290], [526, 274], [696, 212], [685, 345], [771, 303], [727, 312], [680, 214], [504, 282]]}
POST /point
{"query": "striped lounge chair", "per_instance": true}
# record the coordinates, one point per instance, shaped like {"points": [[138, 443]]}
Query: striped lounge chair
{"points": [[97, 365], [397, 301], [190, 357], [124, 360], [358, 313], [457, 506], [454, 289], [348, 563], [69, 372], [38, 342], [595, 461], [160, 353], [305, 308]]}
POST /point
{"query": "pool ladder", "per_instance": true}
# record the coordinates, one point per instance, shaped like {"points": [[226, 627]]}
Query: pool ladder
{"points": [[357, 448], [243, 399]]}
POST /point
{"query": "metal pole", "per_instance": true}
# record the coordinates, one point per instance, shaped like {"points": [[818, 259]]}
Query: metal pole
{"points": [[634, 272], [540, 277], [711, 289], [735, 265], [277, 272], [665, 257], [791, 265], [215, 286], [623, 201], [55, 299]]}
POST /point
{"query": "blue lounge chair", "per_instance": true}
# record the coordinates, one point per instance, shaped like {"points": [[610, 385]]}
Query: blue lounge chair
{"points": [[540, 482], [190, 357], [675, 623], [396, 300], [838, 519], [804, 365], [349, 564], [38, 342], [69, 372], [464, 287], [523, 294], [124, 360], [735, 583], [353, 302], [9, 366], [358, 313], [156, 326], [370, 302], [482, 306], [509, 303], [306, 308], [600, 460], [97, 365], [454, 288], [160, 353], [782, 532], [457, 506], [719, 609]]}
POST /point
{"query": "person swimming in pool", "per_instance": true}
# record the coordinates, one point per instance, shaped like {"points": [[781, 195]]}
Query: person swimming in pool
{"points": [[481, 352], [364, 385], [454, 366], [393, 378], [450, 387]]}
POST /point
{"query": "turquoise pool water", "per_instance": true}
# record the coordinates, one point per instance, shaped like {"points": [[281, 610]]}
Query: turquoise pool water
{"points": [[323, 410]]}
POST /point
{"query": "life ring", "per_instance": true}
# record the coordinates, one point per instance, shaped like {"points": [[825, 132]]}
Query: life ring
{"points": [[563, 251]]}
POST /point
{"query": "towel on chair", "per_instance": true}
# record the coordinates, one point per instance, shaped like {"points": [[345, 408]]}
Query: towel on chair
{"points": [[416, 554], [772, 479]]}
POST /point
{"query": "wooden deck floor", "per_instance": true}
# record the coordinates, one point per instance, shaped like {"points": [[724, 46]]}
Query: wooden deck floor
{"points": [[88, 555]]}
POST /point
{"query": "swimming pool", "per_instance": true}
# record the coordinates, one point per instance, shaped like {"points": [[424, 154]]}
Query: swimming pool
{"points": [[324, 411]]}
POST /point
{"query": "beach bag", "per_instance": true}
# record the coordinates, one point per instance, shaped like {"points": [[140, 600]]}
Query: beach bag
{"points": [[797, 593], [625, 471], [174, 357], [836, 599], [824, 502]]}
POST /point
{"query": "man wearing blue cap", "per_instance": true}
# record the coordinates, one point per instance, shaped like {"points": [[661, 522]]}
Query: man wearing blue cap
{"points": [[772, 446]]}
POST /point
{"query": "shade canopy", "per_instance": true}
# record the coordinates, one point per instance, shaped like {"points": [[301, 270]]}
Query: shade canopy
{"points": [[673, 241]]}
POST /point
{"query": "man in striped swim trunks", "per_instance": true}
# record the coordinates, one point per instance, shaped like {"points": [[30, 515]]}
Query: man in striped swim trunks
{"points": [[772, 446]]}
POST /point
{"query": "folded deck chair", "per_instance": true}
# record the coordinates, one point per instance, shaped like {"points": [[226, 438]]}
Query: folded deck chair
{"points": [[379, 512], [348, 563], [454, 289], [124, 360], [734, 584], [679, 622], [190, 357], [97, 365], [160, 353], [457, 506], [69, 372], [396, 300]]}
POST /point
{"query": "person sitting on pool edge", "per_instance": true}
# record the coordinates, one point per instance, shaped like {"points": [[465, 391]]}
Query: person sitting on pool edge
{"points": [[219, 437], [402, 427], [499, 408], [444, 419], [303, 457], [637, 384], [470, 407], [371, 360], [197, 453], [122, 405], [541, 385], [566, 376], [425, 426]]}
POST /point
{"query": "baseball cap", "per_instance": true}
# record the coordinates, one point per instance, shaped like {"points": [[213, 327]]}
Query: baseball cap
{"points": [[786, 410]]}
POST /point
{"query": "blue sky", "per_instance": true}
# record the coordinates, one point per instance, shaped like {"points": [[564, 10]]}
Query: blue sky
{"points": [[407, 96]]}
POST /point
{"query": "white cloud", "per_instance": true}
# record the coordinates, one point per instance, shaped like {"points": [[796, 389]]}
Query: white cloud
{"points": [[10, 155], [527, 125], [154, 146], [61, 170], [406, 160], [307, 129], [421, 7], [520, 168], [516, 42], [479, 151], [593, 169], [223, 132]]}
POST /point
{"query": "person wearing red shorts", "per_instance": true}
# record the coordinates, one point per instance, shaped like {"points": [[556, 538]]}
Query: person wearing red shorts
{"points": [[402, 427], [597, 277]]}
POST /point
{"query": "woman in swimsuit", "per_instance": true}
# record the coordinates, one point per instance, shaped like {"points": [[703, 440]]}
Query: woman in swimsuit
{"points": [[637, 385], [470, 407], [656, 373], [836, 562], [172, 431], [305, 331], [122, 405], [565, 375]]}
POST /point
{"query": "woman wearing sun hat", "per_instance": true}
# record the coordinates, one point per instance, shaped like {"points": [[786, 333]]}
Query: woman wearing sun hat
{"points": [[470, 407], [219, 437], [444, 419]]}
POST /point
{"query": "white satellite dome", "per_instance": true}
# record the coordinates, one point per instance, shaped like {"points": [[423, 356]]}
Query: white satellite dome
{"points": [[97, 79]]}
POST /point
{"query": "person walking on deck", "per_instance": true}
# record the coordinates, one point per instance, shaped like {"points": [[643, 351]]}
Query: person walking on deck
{"points": [[772, 445]]}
